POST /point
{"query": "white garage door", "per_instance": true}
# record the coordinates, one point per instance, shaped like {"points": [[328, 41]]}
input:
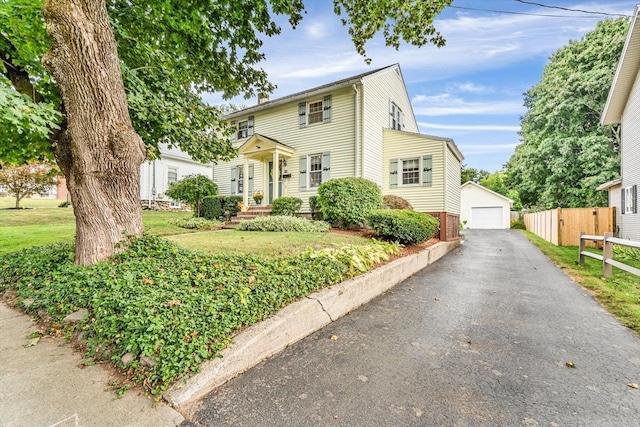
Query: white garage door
{"points": [[486, 217]]}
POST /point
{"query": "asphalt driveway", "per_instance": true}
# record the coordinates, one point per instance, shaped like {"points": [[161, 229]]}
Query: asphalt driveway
{"points": [[480, 338]]}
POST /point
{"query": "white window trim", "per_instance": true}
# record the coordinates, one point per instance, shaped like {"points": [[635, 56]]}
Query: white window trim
{"points": [[309, 156], [173, 203], [401, 171], [321, 101], [628, 200], [239, 179], [398, 117]]}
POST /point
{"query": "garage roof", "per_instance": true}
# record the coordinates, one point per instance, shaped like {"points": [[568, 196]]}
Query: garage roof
{"points": [[471, 183]]}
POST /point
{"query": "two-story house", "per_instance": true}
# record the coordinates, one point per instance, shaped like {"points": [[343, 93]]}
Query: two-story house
{"points": [[361, 126], [623, 106]]}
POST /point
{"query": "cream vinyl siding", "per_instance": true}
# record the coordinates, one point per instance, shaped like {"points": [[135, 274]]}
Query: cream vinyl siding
{"points": [[615, 201], [281, 123], [378, 90], [630, 159], [452, 193], [399, 145]]}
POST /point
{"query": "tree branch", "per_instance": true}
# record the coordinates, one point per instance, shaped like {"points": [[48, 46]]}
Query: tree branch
{"points": [[17, 75]]}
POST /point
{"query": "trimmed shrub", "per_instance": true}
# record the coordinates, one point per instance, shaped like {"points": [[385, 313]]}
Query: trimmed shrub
{"points": [[406, 227], [286, 206], [220, 207], [345, 202], [314, 206], [197, 223], [191, 190], [283, 223], [396, 202]]}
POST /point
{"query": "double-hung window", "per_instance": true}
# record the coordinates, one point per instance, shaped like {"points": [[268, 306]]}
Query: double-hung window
{"points": [[630, 200], [396, 118], [411, 171], [242, 129], [237, 179], [314, 170], [172, 177], [316, 111]]}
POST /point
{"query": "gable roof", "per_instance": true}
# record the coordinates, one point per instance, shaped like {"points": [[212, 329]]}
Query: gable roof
{"points": [[471, 183], [609, 184], [625, 75], [349, 81]]}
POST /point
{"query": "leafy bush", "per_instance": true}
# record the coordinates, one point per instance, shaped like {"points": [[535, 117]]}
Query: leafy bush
{"points": [[345, 202], [197, 223], [624, 253], [315, 208], [286, 206], [64, 204], [358, 258], [406, 227], [191, 190], [395, 202], [220, 207], [283, 223], [518, 224]]}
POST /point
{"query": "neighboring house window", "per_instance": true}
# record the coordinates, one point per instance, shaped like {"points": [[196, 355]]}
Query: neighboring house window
{"points": [[172, 176], [396, 118], [314, 170], [630, 200], [318, 111], [412, 171], [242, 129]]}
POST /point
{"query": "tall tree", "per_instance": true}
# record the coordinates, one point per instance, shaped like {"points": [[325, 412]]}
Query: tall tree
{"points": [[121, 76], [499, 182], [565, 153], [472, 174]]}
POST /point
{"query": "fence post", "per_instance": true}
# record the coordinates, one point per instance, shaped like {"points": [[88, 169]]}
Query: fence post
{"points": [[581, 248], [607, 253]]}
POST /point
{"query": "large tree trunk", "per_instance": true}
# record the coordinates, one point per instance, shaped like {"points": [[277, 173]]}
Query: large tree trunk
{"points": [[97, 149]]}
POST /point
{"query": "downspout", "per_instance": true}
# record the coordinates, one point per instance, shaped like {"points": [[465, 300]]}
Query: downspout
{"points": [[356, 131], [149, 184], [153, 189]]}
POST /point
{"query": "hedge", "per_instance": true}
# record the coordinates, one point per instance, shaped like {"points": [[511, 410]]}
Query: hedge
{"points": [[345, 202], [220, 207], [286, 206], [403, 226]]}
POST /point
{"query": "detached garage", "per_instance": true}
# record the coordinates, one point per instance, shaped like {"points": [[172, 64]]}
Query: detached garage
{"points": [[482, 208]]}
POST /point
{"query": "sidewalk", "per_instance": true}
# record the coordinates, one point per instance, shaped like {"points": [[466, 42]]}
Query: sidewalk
{"points": [[42, 386]]}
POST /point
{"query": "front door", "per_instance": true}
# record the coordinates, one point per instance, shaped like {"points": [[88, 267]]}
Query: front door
{"points": [[280, 183]]}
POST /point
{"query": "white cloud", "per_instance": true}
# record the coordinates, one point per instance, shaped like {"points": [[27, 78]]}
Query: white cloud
{"points": [[316, 30], [493, 127], [445, 104], [470, 88], [479, 149]]}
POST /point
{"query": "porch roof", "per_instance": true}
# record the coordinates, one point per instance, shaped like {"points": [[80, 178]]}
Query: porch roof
{"points": [[260, 147]]}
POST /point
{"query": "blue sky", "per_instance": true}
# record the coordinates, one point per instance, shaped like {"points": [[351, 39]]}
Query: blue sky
{"points": [[470, 90]]}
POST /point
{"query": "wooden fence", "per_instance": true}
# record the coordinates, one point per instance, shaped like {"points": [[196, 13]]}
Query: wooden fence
{"points": [[607, 253], [563, 226]]}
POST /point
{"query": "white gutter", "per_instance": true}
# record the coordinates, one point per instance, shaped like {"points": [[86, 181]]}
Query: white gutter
{"points": [[356, 130]]}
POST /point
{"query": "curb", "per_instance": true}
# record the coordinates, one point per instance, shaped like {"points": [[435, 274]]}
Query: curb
{"points": [[298, 320]]}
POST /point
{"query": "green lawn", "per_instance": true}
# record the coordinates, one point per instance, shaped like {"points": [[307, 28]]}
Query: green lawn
{"points": [[47, 224], [619, 294]]}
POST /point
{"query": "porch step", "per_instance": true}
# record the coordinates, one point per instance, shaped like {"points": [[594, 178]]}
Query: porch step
{"points": [[252, 212]]}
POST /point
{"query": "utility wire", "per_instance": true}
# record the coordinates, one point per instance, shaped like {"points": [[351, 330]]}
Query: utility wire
{"points": [[533, 3], [524, 13]]}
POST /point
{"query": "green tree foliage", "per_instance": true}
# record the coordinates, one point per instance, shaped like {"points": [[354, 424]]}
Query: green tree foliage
{"points": [[169, 53], [499, 182], [472, 174], [191, 190], [26, 180], [565, 153]]}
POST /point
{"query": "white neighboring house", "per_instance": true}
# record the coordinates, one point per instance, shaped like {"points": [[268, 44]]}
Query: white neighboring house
{"points": [[482, 208], [623, 106], [157, 175]]}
